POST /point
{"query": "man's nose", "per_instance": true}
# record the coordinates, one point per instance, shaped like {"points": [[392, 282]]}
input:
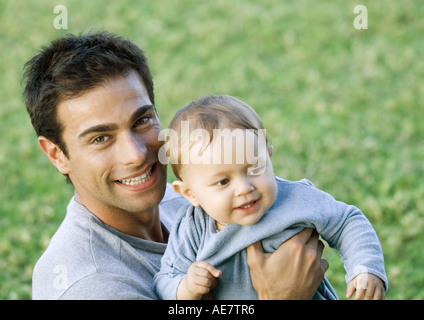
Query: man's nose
{"points": [[243, 187], [132, 150]]}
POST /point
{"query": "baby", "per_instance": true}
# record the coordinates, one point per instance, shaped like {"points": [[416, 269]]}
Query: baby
{"points": [[220, 154]]}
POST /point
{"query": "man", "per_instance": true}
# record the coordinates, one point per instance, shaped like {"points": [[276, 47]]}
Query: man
{"points": [[90, 99]]}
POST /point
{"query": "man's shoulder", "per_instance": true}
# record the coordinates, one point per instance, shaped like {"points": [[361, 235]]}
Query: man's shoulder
{"points": [[83, 253], [104, 286], [68, 251]]}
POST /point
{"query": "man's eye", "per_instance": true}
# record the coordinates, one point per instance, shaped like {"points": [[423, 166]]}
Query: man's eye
{"points": [[100, 139], [142, 121], [223, 182]]}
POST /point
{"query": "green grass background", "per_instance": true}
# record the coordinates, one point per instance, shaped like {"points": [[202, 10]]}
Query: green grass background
{"points": [[344, 108]]}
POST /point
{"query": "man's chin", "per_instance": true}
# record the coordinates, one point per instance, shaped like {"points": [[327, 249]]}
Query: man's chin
{"points": [[141, 197]]}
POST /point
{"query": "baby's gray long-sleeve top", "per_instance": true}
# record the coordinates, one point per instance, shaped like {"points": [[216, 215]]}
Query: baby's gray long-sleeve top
{"points": [[298, 205]]}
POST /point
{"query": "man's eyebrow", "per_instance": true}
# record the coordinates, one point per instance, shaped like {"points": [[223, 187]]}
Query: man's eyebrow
{"points": [[111, 126], [98, 129]]}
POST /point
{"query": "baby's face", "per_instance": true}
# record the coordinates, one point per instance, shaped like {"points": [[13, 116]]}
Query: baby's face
{"points": [[238, 185]]}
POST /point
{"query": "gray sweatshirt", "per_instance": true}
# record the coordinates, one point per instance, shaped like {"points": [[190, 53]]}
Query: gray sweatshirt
{"points": [[87, 259], [297, 205]]}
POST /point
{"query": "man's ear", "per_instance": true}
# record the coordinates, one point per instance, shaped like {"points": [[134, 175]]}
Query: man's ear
{"points": [[180, 187], [55, 154]]}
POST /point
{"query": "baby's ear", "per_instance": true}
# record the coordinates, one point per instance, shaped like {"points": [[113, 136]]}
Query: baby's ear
{"points": [[180, 187], [270, 150]]}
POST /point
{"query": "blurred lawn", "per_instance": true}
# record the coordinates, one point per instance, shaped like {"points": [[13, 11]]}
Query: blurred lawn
{"points": [[343, 107]]}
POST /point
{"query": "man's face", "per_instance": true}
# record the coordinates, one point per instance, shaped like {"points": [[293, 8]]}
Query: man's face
{"points": [[111, 133]]}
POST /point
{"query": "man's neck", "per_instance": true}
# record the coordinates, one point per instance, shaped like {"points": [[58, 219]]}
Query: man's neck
{"points": [[145, 225], [136, 225]]}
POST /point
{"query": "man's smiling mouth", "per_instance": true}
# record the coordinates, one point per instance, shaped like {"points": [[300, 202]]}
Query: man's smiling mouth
{"points": [[137, 180]]}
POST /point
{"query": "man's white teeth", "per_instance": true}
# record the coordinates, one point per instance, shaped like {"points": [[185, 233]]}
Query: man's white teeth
{"points": [[137, 180]]}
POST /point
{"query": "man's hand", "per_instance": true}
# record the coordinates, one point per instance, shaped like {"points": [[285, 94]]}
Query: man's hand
{"points": [[293, 271]]}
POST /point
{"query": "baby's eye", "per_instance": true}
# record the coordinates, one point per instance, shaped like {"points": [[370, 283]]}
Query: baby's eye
{"points": [[258, 170], [223, 182]]}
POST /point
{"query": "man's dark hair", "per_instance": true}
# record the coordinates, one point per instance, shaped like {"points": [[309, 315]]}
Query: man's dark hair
{"points": [[69, 67]]}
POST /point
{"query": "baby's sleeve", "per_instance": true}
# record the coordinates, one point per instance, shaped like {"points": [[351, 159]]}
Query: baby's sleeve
{"points": [[180, 253], [347, 229]]}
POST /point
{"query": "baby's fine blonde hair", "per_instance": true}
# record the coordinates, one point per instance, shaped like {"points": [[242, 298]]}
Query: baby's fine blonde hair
{"points": [[211, 112]]}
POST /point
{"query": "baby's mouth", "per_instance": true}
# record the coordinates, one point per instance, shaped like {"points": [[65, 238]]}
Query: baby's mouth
{"points": [[248, 205]]}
